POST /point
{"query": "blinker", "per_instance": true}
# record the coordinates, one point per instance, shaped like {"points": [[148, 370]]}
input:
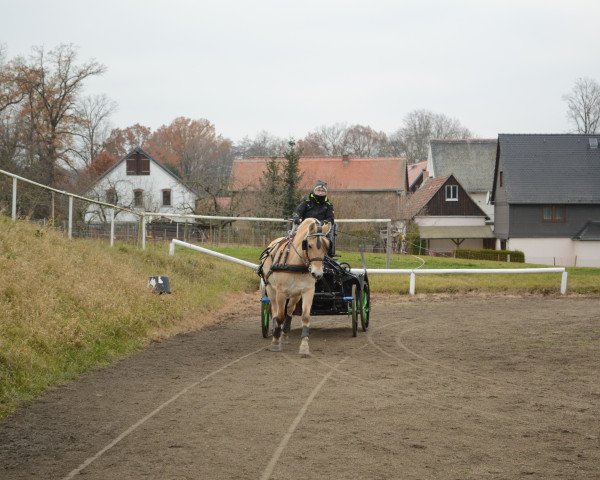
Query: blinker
{"points": [[304, 244]]}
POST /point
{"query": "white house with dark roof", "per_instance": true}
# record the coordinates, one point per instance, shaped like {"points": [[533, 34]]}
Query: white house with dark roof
{"points": [[546, 197], [471, 162], [140, 183]]}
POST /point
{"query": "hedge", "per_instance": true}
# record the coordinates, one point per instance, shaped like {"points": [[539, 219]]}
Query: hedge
{"points": [[489, 254]]}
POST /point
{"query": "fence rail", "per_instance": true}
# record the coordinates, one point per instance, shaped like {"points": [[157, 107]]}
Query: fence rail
{"points": [[396, 271], [149, 229]]}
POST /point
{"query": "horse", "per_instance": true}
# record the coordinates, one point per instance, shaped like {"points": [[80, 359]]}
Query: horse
{"points": [[289, 268]]}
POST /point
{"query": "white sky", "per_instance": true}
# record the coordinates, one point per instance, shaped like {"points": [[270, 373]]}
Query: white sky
{"points": [[287, 67]]}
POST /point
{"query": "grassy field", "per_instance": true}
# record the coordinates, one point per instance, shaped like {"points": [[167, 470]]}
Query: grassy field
{"points": [[68, 306]]}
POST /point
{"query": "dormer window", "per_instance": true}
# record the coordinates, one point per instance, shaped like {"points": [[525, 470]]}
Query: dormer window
{"points": [[138, 164], [452, 193]]}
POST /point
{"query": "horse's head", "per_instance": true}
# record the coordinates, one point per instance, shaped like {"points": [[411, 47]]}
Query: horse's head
{"points": [[315, 245]]}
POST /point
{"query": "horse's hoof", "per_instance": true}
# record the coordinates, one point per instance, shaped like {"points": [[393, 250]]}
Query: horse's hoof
{"points": [[275, 348], [285, 339], [304, 351]]}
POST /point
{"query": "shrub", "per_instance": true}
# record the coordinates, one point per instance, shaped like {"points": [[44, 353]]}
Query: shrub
{"points": [[489, 254]]}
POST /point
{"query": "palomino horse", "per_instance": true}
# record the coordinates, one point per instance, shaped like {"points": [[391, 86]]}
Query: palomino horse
{"points": [[289, 267]]}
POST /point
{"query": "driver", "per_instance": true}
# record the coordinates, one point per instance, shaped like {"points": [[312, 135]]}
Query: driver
{"points": [[317, 205]]}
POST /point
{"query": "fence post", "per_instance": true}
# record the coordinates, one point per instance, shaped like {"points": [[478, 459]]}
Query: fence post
{"points": [[142, 231], [413, 283], [14, 199], [112, 227], [563, 283], [70, 217], [388, 247], [508, 257]]}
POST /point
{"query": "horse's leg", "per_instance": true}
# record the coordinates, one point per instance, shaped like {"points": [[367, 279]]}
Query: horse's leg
{"points": [[287, 323], [307, 299], [278, 317]]}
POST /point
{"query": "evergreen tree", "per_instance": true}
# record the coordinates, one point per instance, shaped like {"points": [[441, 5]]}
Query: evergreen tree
{"points": [[270, 198], [291, 179]]}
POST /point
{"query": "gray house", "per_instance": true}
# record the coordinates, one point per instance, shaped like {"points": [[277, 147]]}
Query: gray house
{"points": [[471, 162], [546, 197]]}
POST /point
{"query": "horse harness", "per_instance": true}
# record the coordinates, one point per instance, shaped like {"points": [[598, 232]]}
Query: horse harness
{"points": [[280, 264]]}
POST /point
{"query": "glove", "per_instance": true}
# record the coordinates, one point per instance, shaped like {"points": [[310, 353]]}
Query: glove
{"points": [[296, 219]]}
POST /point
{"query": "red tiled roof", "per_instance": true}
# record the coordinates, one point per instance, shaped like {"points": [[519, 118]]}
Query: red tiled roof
{"points": [[355, 174], [415, 170]]}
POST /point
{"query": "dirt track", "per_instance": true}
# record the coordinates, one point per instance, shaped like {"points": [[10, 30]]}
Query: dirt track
{"points": [[454, 388]]}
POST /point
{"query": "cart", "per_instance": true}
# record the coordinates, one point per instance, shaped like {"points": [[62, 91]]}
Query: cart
{"points": [[338, 292]]}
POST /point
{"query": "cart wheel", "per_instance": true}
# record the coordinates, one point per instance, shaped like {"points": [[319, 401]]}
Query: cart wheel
{"points": [[354, 308], [265, 318], [365, 307]]}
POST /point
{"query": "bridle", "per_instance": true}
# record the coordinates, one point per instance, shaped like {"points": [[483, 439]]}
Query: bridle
{"points": [[319, 246]]}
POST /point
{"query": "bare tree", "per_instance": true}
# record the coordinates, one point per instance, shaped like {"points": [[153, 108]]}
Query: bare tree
{"points": [[325, 140], [207, 162], [420, 126], [92, 128], [363, 141], [262, 145], [51, 83], [583, 105], [10, 93]]}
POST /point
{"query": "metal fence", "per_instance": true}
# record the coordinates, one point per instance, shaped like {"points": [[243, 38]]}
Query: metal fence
{"points": [[65, 211]]}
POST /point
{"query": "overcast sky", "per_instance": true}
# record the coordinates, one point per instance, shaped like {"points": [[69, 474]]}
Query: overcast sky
{"points": [[288, 67]]}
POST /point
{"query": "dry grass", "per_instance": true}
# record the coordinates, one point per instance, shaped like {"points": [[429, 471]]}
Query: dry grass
{"points": [[67, 306]]}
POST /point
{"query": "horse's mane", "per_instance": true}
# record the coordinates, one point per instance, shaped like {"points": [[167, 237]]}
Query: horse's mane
{"points": [[309, 225]]}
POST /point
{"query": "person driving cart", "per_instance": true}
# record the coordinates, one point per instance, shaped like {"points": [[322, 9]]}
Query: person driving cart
{"points": [[317, 205]]}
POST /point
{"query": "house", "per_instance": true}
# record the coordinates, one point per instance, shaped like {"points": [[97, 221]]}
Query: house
{"points": [[472, 164], [140, 183], [546, 197], [447, 217], [358, 187]]}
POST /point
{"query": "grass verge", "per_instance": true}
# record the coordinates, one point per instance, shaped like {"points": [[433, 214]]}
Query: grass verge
{"points": [[67, 306], [581, 280]]}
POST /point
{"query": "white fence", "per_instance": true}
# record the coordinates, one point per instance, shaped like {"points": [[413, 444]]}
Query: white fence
{"points": [[397, 271]]}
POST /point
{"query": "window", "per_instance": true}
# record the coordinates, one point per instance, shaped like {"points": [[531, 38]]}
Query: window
{"points": [[554, 214], [138, 198], [111, 196], [500, 179], [166, 198], [138, 164], [452, 193]]}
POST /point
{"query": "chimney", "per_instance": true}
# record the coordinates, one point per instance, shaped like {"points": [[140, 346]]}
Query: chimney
{"points": [[345, 159]]}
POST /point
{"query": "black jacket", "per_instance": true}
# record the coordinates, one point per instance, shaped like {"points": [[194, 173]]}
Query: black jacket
{"points": [[315, 207]]}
